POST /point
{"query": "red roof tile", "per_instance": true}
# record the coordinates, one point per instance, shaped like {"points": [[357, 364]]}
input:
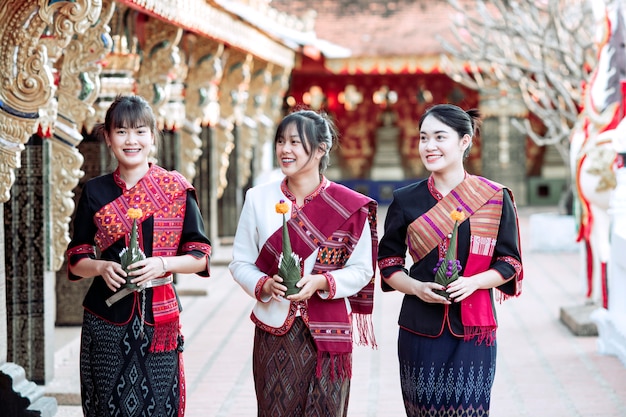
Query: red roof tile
{"points": [[378, 28]]}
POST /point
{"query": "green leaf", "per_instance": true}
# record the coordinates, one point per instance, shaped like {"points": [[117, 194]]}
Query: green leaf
{"points": [[289, 264], [441, 276], [131, 254]]}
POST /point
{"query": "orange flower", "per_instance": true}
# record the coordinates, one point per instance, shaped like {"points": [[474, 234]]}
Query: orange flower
{"points": [[282, 207], [457, 215], [134, 213]]}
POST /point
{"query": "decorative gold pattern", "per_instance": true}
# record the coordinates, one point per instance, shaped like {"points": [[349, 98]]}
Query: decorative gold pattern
{"points": [[160, 65], [119, 66], [233, 100], [65, 162], [27, 83], [79, 86], [201, 97], [201, 17], [260, 79]]}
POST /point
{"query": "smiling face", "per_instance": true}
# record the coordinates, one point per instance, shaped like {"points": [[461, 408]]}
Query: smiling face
{"points": [[294, 155], [130, 145], [440, 147], [130, 132]]}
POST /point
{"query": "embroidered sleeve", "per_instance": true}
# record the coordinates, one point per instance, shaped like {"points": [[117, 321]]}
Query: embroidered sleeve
{"points": [[508, 259], [392, 248], [204, 248], [259, 288], [517, 265], [394, 263], [82, 245], [81, 250], [77, 253], [194, 241], [332, 285]]}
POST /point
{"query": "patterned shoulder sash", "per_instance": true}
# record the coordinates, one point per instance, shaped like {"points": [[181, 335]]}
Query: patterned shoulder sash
{"points": [[430, 229], [159, 193], [312, 226]]}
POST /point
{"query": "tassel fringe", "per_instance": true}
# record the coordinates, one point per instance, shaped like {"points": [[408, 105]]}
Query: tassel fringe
{"points": [[482, 334], [339, 365], [365, 328], [165, 337]]}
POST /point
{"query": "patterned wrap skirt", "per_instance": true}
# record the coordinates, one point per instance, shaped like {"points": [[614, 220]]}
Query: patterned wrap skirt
{"points": [[445, 376], [120, 377], [285, 381]]}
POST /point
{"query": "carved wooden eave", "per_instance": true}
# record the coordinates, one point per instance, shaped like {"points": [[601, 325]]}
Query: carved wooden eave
{"points": [[199, 17], [429, 64]]}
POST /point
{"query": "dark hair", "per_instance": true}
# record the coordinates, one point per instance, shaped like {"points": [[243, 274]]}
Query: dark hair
{"points": [[128, 112], [461, 121], [316, 130]]}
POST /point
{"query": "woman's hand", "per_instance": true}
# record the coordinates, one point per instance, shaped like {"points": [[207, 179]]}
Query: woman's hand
{"points": [[426, 292], [309, 285], [112, 273], [411, 286], [274, 288], [146, 270], [462, 288]]}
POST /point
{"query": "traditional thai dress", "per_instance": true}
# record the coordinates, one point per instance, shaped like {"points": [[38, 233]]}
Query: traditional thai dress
{"points": [[131, 351], [447, 353], [303, 350]]}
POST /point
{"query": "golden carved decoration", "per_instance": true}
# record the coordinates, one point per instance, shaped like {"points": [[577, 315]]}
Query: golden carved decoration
{"points": [[78, 89], [273, 106], [67, 18], [203, 79], [190, 149], [201, 97], [120, 64], [206, 19], [249, 143], [65, 163], [80, 68], [600, 161], [233, 99], [160, 65], [26, 80]]}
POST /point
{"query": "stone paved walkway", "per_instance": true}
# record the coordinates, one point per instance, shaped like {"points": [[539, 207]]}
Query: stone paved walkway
{"points": [[543, 370]]}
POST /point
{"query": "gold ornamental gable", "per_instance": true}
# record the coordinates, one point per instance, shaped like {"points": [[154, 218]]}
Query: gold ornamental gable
{"points": [[204, 19]]}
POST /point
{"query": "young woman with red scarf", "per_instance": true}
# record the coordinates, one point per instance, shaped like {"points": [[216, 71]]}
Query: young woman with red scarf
{"points": [[131, 343], [447, 339], [302, 356]]}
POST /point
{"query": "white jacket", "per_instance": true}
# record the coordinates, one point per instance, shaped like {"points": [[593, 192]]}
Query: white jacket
{"points": [[258, 221]]}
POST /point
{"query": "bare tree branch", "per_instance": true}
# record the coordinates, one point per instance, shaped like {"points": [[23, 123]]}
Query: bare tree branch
{"points": [[542, 47]]}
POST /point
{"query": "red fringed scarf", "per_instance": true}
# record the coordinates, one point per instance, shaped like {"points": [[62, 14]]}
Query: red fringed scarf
{"points": [[481, 200], [161, 194], [335, 235]]}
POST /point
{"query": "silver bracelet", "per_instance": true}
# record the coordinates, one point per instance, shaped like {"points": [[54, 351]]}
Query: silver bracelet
{"points": [[164, 265]]}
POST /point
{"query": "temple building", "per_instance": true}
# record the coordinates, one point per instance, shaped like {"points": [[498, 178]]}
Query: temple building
{"points": [[219, 75]]}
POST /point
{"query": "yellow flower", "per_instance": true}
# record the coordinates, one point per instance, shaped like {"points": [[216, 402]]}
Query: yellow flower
{"points": [[134, 213], [288, 262], [457, 215], [282, 207]]}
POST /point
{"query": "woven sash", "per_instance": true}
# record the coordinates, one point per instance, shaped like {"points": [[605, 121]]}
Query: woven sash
{"points": [[162, 195], [333, 223], [481, 200]]}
